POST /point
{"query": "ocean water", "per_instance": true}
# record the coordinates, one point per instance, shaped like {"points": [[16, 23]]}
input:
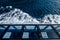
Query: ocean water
{"points": [[36, 8]]}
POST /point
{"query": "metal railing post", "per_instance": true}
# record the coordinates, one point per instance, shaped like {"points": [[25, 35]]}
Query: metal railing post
{"points": [[5, 31]]}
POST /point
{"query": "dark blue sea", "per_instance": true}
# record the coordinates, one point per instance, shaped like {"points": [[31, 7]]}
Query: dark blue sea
{"points": [[36, 8]]}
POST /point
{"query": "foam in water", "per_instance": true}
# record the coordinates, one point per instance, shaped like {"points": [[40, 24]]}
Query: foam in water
{"points": [[17, 16]]}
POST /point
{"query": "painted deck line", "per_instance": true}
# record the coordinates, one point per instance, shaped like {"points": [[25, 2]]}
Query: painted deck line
{"points": [[7, 35], [44, 35], [25, 35]]}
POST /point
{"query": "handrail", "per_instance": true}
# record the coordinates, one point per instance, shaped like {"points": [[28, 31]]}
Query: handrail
{"points": [[36, 25], [28, 24]]}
